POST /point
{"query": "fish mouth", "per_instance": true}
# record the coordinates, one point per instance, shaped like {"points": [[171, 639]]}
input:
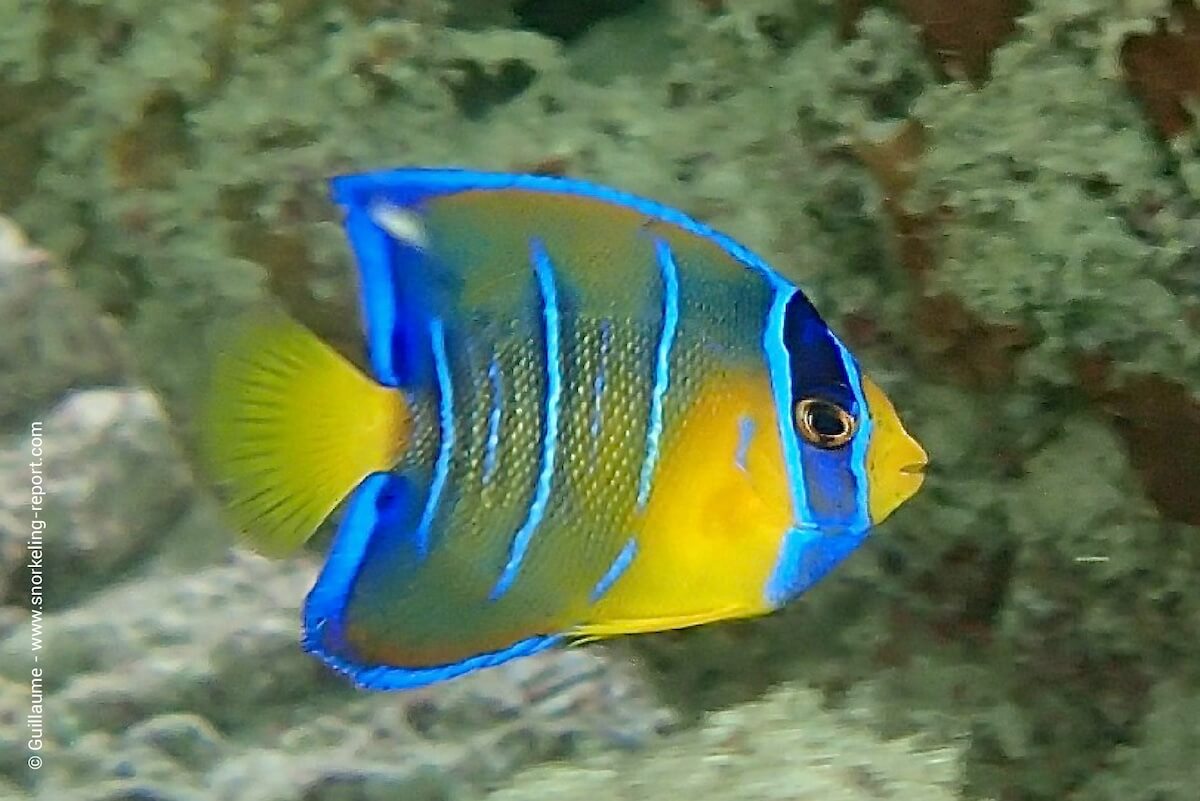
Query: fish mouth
{"points": [[914, 469]]}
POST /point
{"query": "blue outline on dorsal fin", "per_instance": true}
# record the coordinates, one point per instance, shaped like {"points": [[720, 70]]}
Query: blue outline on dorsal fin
{"points": [[325, 607], [408, 187], [386, 308]]}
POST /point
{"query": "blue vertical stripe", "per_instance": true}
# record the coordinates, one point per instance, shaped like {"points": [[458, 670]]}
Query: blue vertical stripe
{"points": [[376, 265], [796, 542], [325, 610], [809, 551], [493, 432], [543, 270], [779, 366], [441, 467], [662, 365], [860, 442], [745, 437], [615, 570], [601, 380]]}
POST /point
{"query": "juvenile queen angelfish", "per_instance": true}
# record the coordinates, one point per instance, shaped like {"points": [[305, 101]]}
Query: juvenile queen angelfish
{"points": [[587, 415]]}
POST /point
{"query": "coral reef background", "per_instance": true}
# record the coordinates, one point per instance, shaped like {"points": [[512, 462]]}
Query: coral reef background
{"points": [[997, 202]]}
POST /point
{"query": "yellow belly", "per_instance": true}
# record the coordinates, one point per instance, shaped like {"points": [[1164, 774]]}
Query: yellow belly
{"points": [[709, 536]]}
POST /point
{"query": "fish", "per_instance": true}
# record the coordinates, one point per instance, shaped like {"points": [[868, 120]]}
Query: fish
{"points": [[581, 414]]}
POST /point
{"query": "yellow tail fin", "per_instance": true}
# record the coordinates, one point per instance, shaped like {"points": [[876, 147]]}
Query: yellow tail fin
{"points": [[290, 427]]}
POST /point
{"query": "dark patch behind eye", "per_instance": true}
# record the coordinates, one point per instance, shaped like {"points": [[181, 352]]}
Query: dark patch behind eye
{"points": [[814, 357]]}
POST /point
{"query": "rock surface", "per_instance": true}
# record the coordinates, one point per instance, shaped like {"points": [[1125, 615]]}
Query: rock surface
{"points": [[53, 338], [175, 672], [198, 684], [782, 748], [114, 483]]}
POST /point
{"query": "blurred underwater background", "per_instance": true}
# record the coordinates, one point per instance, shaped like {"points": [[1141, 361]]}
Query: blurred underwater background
{"points": [[996, 202]]}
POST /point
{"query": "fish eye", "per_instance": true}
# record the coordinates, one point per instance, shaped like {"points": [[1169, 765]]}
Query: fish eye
{"points": [[823, 423]]}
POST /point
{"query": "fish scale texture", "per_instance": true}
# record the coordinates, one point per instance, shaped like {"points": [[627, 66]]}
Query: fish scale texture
{"points": [[185, 683]]}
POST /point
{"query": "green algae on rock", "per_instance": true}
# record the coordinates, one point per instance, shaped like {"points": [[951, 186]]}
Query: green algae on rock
{"points": [[116, 483], [175, 671], [199, 684], [59, 340], [193, 101], [784, 747]]}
